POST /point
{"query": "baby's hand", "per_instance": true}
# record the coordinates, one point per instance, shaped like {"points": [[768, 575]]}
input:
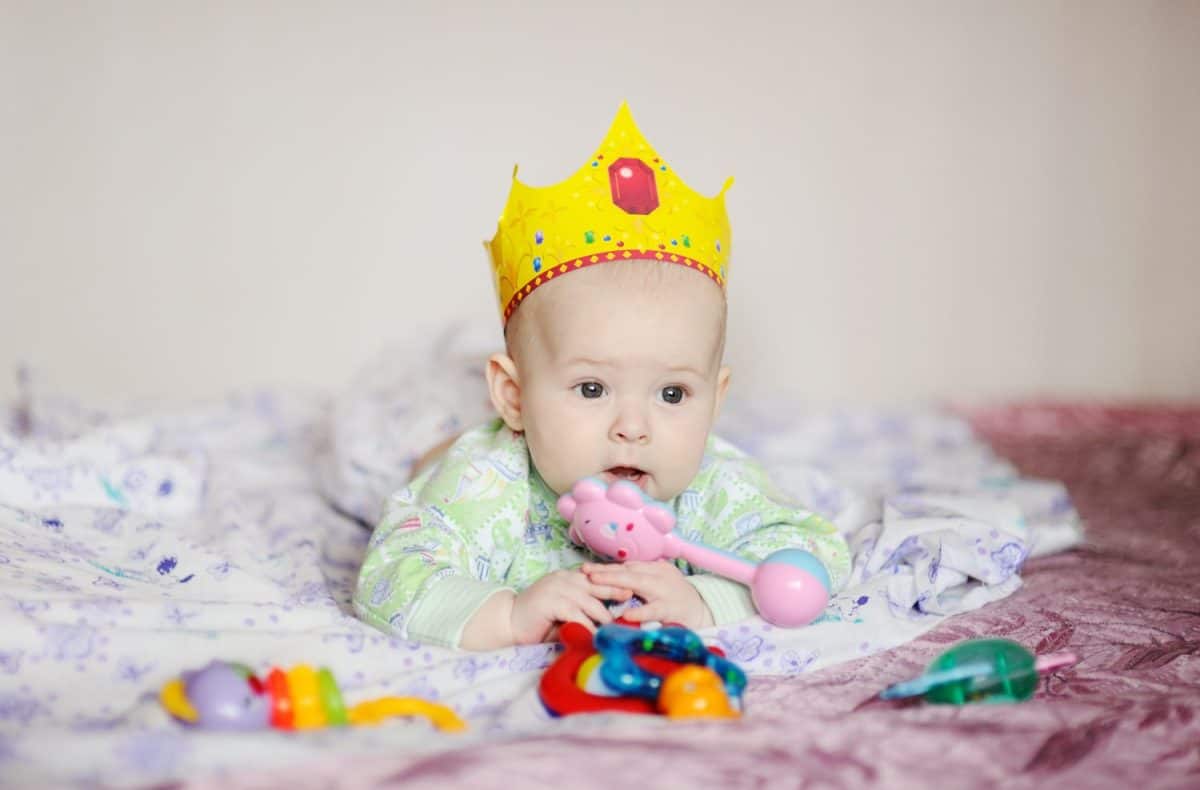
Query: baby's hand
{"points": [[668, 595], [560, 597]]}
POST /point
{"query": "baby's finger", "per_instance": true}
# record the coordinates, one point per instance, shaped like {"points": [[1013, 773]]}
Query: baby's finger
{"points": [[570, 612], [607, 592], [646, 613], [616, 575], [595, 610], [644, 585], [611, 592], [655, 568]]}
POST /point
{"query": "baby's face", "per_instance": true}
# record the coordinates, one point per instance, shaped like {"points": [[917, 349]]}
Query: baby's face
{"points": [[620, 376]]}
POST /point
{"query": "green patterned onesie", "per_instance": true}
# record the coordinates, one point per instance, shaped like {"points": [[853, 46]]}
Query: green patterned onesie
{"points": [[483, 520]]}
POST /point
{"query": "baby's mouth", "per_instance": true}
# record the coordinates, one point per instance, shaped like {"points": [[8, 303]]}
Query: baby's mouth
{"points": [[630, 473]]}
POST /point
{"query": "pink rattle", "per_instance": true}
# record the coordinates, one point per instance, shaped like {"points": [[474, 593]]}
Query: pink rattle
{"points": [[790, 587]]}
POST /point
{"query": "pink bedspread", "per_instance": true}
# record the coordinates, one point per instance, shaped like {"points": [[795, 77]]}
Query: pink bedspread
{"points": [[1128, 715]]}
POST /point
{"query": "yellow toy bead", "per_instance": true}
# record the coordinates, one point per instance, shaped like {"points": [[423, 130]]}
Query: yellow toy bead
{"points": [[306, 698]]}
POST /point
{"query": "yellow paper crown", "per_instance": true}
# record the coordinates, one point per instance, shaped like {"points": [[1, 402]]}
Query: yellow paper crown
{"points": [[624, 203]]}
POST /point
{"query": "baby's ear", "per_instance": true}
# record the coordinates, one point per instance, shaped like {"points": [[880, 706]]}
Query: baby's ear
{"points": [[505, 388], [723, 376]]}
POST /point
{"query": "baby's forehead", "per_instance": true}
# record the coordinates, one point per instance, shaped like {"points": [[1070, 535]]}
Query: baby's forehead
{"points": [[626, 285], [666, 326], [663, 301]]}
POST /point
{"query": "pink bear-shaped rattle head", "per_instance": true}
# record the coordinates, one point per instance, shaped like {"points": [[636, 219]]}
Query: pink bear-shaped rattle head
{"points": [[618, 521]]}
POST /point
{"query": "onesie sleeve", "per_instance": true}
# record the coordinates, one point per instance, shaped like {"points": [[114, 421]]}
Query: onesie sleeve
{"points": [[429, 564], [733, 506]]}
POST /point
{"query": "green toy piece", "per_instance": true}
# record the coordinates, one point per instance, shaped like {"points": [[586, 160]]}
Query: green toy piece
{"points": [[980, 670]]}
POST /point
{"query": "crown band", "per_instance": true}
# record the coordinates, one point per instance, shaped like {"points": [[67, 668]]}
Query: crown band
{"points": [[606, 257]]}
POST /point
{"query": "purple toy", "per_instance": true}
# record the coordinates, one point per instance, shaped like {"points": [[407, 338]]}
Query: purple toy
{"points": [[221, 698], [790, 587]]}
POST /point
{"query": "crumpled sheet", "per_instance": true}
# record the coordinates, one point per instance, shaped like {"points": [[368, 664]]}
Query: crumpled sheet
{"points": [[135, 545]]}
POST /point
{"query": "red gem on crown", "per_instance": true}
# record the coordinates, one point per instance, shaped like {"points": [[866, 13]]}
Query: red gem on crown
{"points": [[633, 187]]}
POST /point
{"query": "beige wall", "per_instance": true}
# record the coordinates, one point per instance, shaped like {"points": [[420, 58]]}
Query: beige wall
{"points": [[964, 198]]}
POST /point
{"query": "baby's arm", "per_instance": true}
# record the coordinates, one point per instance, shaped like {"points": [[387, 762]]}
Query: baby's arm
{"points": [[430, 563], [490, 628], [430, 570], [416, 579]]}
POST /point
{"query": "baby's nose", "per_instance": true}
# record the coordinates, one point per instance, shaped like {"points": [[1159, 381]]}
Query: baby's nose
{"points": [[633, 435], [630, 426]]}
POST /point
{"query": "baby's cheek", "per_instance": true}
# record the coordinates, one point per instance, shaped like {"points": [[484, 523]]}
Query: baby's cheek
{"points": [[673, 481], [555, 462], [684, 460]]}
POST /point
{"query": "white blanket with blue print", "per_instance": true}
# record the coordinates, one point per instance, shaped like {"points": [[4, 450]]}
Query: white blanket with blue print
{"points": [[134, 546]]}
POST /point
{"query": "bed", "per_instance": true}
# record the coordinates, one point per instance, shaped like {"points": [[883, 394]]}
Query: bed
{"points": [[139, 543]]}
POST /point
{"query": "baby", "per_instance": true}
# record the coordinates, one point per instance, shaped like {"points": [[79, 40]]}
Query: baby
{"points": [[612, 369]]}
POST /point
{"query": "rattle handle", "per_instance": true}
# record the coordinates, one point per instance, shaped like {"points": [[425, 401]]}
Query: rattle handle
{"points": [[715, 561], [1053, 661]]}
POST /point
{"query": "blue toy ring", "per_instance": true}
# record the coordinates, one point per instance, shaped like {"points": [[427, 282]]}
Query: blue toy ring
{"points": [[618, 644]]}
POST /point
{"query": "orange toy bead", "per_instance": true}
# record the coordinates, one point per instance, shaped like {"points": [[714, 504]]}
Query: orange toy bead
{"points": [[695, 692]]}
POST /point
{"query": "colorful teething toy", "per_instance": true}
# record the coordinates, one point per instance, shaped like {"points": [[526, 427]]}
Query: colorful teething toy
{"points": [[790, 587], [980, 670], [229, 696], [666, 670]]}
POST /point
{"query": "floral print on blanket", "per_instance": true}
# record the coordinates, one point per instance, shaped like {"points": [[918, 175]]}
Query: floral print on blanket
{"points": [[137, 545]]}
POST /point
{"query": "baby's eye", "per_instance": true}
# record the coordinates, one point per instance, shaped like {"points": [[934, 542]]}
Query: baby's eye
{"points": [[590, 389], [672, 394]]}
